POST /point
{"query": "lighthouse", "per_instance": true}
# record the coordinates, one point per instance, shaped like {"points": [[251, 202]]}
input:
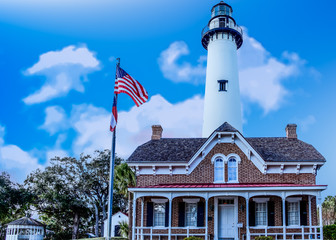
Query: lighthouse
{"points": [[222, 37]]}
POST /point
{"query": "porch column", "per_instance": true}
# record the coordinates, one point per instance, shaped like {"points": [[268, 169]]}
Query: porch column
{"points": [[170, 217], [142, 216], [206, 216], [320, 214], [247, 217], [310, 213], [284, 215], [134, 214]]}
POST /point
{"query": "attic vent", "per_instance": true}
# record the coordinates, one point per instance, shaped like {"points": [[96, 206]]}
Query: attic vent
{"points": [[156, 132], [291, 131]]}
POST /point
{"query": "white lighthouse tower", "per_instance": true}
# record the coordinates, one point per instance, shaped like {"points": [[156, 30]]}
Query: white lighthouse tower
{"points": [[222, 37]]}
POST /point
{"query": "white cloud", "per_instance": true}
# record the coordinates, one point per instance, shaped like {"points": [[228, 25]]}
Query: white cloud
{"points": [[64, 70], [181, 72], [305, 123], [15, 160], [55, 119], [91, 123], [261, 76]]}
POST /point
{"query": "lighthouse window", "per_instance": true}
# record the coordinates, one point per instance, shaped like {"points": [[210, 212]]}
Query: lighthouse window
{"points": [[222, 85]]}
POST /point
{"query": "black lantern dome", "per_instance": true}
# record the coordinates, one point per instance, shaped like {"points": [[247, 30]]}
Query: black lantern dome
{"points": [[222, 23]]}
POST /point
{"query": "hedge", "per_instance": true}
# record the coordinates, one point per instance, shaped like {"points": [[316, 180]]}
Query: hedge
{"points": [[192, 238], [329, 232], [264, 238]]}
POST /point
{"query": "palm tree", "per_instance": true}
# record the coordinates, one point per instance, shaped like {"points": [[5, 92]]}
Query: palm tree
{"points": [[329, 210], [124, 178], [124, 229]]}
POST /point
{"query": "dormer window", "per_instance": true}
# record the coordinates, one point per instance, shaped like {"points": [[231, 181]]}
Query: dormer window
{"points": [[222, 84], [219, 170]]}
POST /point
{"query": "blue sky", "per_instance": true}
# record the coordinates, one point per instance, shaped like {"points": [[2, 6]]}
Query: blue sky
{"points": [[57, 61]]}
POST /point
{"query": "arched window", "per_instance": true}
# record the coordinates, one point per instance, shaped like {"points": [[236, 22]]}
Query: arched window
{"points": [[232, 170], [219, 170]]}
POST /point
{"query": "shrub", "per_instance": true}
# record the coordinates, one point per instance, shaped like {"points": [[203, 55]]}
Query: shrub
{"points": [[192, 238], [264, 238], [329, 232]]}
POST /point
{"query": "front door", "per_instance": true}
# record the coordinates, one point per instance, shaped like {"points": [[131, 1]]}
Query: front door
{"points": [[226, 225]]}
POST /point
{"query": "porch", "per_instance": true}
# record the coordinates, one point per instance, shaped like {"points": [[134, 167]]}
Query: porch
{"points": [[233, 211]]}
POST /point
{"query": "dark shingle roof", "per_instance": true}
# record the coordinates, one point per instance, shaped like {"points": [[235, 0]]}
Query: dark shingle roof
{"points": [[167, 150], [26, 221], [282, 149], [271, 149], [225, 127]]}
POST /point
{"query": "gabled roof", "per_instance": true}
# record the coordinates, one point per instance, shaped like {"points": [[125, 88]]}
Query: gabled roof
{"points": [[225, 127], [26, 221], [181, 150]]}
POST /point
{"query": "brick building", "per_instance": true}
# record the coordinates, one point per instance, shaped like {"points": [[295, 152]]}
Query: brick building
{"points": [[225, 185]]}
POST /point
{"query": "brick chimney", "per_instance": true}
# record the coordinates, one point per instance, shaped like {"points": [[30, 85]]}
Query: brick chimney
{"points": [[156, 132], [291, 131]]}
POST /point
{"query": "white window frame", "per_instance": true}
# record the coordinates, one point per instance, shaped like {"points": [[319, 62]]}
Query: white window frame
{"points": [[266, 212], [236, 180], [223, 170], [188, 224], [261, 201], [294, 201], [155, 215]]}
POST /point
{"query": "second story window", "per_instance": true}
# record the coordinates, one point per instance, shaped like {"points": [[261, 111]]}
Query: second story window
{"points": [[222, 85], [232, 170], [219, 170]]}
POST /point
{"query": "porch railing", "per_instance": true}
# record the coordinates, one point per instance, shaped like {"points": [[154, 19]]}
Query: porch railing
{"points": [[140, 232], [306, 232]]}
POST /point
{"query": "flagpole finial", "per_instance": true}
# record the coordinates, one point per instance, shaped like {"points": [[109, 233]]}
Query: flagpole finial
{"points": [[118, 61]]}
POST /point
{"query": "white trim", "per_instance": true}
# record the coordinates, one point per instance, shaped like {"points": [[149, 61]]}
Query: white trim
{"points": [[236, 156], [191, 200], [237, 159], [159, 200], [255, 212], [294, 199], [260, 200], [240, 189], [235, 214], [218, 155]]}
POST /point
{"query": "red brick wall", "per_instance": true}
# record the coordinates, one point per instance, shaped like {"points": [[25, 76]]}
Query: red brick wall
{"points": [[247, 172]]}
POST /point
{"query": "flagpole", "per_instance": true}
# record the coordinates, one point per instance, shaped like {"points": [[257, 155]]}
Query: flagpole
{"points": [[112, 160]]}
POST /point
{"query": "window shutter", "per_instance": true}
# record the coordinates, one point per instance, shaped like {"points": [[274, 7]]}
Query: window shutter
{"points": [[167, 214], [303, 213], [200, 214], [252, 214], [286, 207], [181, 217], [149, 214], [270, 212]]}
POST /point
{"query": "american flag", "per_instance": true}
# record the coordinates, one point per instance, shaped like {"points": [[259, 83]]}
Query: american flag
{"points": [[126, 84], [114, 117]]}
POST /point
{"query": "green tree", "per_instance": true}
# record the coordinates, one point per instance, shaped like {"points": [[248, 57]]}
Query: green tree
{"points": [[59, 202], [329, 210], [124, 229], [124, 178], [15, 201]]}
